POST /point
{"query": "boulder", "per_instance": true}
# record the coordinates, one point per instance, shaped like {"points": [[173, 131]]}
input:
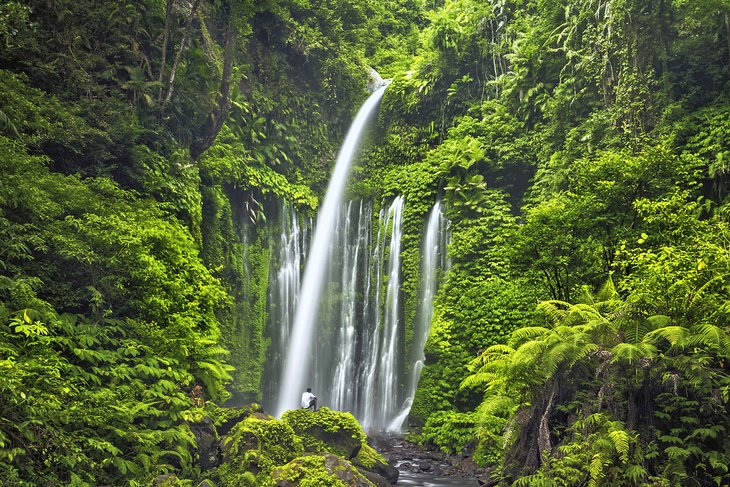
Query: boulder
{"points": [[225, 418], [206, 439], [256, 446], [325, 430], [322, 470], [375, 478], [388, 471]]}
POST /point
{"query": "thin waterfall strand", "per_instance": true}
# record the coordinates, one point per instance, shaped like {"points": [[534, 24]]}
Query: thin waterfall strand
{"points": [[433, 261]]}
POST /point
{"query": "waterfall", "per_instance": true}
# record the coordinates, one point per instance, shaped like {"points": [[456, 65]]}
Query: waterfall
{"points": [[433, 261], [288, 252], [356, 356], [380, 387], [297, 367]]}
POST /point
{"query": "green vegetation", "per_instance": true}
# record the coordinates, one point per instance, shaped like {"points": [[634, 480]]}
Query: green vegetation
{"points": [[574, 143], [581, 149]]}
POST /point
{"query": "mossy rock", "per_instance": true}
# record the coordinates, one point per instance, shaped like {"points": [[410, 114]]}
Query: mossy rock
{"points": [[226, 418], [318, 471], [254, 447], [327, 431], [372, 461]]}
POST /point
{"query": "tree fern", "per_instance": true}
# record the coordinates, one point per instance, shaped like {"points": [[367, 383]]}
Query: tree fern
{"points": [[709, 336], [631, 354], [527, 333], [672, 334], [555, 310]]}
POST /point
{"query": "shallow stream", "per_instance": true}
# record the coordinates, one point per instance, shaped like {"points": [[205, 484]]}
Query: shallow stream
{"points": [[408, 478]]}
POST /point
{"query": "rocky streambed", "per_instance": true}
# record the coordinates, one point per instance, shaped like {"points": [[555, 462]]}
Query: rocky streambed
{"points": [[421, 466]]}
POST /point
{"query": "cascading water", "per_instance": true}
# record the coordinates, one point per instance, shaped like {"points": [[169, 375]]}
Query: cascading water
{"points": [[433, 262], [381, 372], [357, 362], [298, 358], [289, 251], [340, 329]]}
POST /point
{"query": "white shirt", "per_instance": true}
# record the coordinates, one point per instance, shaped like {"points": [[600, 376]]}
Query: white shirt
{"points": [[306, 399]]}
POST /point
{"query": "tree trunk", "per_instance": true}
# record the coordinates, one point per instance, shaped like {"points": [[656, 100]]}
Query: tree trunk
{"points": [[727, 38], [178, 57], [544, 445], [165, 41], [214, 122]]}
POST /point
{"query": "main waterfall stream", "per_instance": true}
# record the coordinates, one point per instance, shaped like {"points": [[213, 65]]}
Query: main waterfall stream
{"points": [[339, 328]]}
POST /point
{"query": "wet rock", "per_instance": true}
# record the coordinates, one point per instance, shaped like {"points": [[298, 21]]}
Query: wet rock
{"points": [[389, 472], [206, 438], [424, 466], [376, 479]]}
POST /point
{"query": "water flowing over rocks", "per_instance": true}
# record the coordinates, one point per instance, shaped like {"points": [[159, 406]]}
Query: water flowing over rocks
{"points": [[421, 465]]}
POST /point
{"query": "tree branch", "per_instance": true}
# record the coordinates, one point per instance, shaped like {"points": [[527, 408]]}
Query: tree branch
{"points": [[178, 56]]}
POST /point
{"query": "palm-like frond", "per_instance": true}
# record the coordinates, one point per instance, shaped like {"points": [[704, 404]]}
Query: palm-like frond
{"points": [[697, 298], [673, 334], [481, 379], [710, 336], [607, 291], [7, 124], [555, 310], [528, 333], [632, 353], [620, 439], [636, 330]]}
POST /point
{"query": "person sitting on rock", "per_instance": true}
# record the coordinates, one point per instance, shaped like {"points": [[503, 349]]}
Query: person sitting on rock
{"points": [[309, 400]]}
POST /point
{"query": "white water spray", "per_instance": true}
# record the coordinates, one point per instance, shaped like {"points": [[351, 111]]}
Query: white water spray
{"points": [[433, 260], [298, 357]]}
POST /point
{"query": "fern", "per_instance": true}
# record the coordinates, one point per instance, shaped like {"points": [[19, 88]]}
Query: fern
{"points": [[710, 336], [7, 124], [595, 469], [630, 353], [672, 334], [528, 333], [620, 439]]}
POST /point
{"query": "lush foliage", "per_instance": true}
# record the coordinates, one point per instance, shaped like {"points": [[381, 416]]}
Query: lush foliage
{"points": [[141, 147], [573, 142], [580, 148]]}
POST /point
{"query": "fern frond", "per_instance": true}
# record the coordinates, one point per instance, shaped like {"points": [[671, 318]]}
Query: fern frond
{"points": [[675, 335], [696, 298], [554, 310], [636, 330], [481, 379], [596, 470], [529, 352], [620, 439], [527, 333], [635, 473], [607, 291], [493, 405], [627, 352], [7, 124], [711, 336]]}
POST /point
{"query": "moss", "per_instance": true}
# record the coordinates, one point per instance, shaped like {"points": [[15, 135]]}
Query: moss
{"points": [[334, 432], [225, 418], [257, 445], [327, 431], [368, 457], [317, 471]]}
